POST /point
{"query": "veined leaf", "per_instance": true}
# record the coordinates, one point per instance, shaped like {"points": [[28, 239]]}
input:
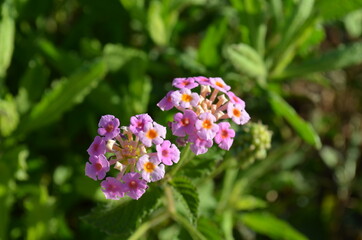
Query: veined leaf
{"points": [[267, 224], [123, 218], [188, 192], [246, 60], [7, 34], [304, 129], [65, 94], [335, 59]]}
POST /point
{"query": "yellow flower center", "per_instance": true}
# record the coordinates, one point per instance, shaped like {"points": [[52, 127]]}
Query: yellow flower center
{"points": [[151, 134], [207, 124], [219, 84], [236, 112], [186, 97], [149, 167]]}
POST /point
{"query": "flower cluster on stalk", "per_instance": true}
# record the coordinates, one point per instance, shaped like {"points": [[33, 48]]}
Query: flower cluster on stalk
{"points": [[199, 121], [138, 153]]}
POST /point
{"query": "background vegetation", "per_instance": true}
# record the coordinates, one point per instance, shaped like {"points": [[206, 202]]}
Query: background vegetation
{"points": [[297, 64]]}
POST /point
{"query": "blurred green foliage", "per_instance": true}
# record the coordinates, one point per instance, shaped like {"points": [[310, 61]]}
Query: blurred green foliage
{"points": [[296, 63]]}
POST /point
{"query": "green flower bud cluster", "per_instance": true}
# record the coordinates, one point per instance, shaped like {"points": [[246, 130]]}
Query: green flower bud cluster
{"points": [[253, 143]]}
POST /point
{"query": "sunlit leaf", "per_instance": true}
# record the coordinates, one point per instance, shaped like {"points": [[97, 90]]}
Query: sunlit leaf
{"points": [[249, 202], [333, 9], [9, 117], [7, 35], [266, 224], [246, 60], [304, 129], [341, 57]]}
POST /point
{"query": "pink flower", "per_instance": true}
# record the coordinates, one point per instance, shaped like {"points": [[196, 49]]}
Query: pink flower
{"points": [[202, 80], [153, 133], [108, 127], [184, 123], [168, 153], [199, 145], [98, 168], [138, 123], [219, 84], [112, 188], [206, 127], [184, 83], [166, 102], [151, 168], [236, 100], [224, 136], [134, 186], [97, 147], [185, 98], [238, 114]]}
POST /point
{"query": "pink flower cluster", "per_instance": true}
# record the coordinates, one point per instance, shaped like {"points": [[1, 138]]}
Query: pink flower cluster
{"points": [[200, 113], [131, 154]]}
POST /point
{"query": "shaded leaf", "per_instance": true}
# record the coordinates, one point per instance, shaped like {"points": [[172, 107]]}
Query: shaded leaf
{"points": [[304, 129], [341, 57], [123, 218], [116, 56], [266, 224], [65, 94], [188, 192]]}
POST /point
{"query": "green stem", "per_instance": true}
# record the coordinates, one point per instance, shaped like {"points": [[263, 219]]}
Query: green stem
{"points": [[185, 158], [141, 230]]}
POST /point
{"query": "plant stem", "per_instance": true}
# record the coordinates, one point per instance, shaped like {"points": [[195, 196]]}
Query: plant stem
{"points": [[148, 225], [185, 158]]}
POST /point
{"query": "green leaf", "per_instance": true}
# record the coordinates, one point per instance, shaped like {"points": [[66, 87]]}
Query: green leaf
{"points": [[124, 217], [208, 53], [334, 9], [341, 57], [209, 229], [156, 24], [188, 192], [249, 202], [304, 129], [7, 35], [353, 23], [64, 95], [9, 117], [266, 224], [65, 62], [246, 60], [116, 56]]}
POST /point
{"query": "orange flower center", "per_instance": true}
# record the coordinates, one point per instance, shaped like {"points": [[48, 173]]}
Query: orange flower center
{"points": [[149, 167], [151, 134], [186, 97], [219, 84], [236, 112], [207, 124]]}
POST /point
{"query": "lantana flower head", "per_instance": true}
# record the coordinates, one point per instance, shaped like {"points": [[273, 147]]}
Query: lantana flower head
{"points": [[134, 158], [201, 114]]}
